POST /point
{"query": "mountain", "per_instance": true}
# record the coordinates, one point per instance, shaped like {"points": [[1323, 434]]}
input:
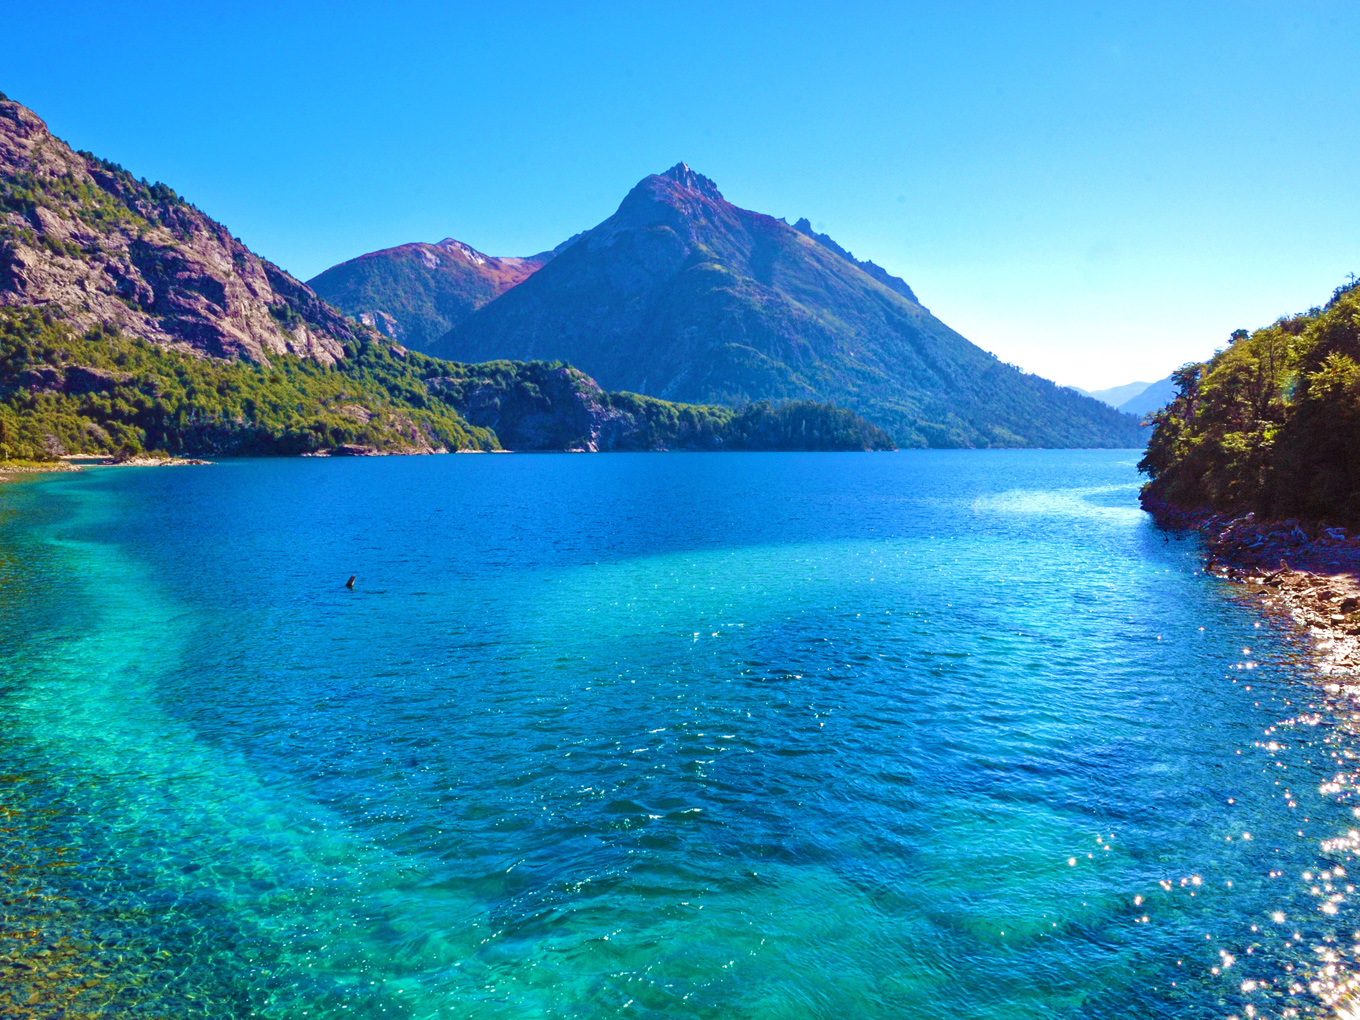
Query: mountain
{"points": [[1135, 398], [415, 293], [79, 236], [131, 321], [1115, 395], [684, 296], [1152, 398], [1270, 424], [870, 268]]}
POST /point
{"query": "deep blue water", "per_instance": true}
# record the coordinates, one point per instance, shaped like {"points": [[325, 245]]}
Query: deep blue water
{"points": [[927, 735]]}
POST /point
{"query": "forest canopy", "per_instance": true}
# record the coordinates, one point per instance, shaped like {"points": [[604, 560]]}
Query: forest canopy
{"points": [[105, 393], [1270, 424]]}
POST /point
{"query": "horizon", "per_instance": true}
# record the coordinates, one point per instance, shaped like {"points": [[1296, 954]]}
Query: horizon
{"points": [[1096, 197]]}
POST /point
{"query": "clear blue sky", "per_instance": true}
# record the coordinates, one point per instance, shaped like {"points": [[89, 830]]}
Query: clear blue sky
{"points": [[1094, 192]]}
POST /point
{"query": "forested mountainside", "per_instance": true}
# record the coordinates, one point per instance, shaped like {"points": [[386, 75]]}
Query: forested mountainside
{"points": [[106, 393], [684, 296], [1270, 424], [415, 293]]}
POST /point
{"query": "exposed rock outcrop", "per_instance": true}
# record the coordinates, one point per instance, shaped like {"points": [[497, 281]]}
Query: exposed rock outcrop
{"points": [[82, 239], [554, 407]]}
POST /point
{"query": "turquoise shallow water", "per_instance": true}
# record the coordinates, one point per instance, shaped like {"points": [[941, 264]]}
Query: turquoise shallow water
{"points": [[954, 735]]}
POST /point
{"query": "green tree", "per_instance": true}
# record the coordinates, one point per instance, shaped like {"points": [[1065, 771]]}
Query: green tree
{"points": [[1272, 423]]}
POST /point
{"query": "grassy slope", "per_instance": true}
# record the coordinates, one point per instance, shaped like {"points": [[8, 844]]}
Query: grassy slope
{"points": [[1271, 423]]}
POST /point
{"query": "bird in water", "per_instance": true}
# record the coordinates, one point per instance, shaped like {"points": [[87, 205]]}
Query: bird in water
{"points": [[350, 583]]}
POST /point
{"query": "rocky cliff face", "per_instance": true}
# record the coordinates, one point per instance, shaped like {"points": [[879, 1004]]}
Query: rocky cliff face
{"points": [[546, 407], [684, 296], [415, 293], [83, 240]]}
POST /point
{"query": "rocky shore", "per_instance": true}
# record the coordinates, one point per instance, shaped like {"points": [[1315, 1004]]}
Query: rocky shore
{"points": [[142, 461], [9, 472], [1308, 572]]}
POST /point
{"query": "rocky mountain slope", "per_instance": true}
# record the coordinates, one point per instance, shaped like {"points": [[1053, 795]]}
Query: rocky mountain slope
{"points": [[83, 239], [684, 296], [872, 269], [415, 293]]}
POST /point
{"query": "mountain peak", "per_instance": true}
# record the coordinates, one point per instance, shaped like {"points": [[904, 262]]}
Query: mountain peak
{"points": [[416, 292], [684, 296], [682, 175], [456, 247]]}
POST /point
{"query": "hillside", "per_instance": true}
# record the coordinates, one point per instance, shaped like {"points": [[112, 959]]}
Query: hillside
{"points": [[80, 236], [1270, 424], [415, 293], [106, 393], [684, 296]]}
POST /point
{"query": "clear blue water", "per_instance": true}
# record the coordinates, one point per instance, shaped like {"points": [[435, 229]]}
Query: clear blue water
{"points": [[954, 735]]}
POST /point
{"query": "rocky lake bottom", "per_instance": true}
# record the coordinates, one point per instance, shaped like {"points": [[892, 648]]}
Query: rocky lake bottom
{"points": [[920, 735]]}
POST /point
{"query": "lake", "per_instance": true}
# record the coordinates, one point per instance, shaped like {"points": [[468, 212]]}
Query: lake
{"points": [[926, 735]]}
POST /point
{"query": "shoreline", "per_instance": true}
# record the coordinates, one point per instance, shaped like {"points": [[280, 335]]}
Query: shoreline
{"points": [[1308, 572], [14, 473], [73, 462]]}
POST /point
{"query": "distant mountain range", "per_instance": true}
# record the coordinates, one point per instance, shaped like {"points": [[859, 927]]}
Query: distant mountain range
{"points": [[1155, 397], [1115, 395], [417, 292], [1136, 398], [684, 296]]}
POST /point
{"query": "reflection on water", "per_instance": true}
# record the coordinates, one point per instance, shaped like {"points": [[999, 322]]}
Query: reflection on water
{"points": [[937, 735]]}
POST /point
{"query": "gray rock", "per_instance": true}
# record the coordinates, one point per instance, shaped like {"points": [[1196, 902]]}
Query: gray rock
{"points": [[97, 247]]}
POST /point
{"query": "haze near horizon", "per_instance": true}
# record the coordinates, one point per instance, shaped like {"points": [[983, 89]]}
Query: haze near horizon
{"points": [[1094, 194]]}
